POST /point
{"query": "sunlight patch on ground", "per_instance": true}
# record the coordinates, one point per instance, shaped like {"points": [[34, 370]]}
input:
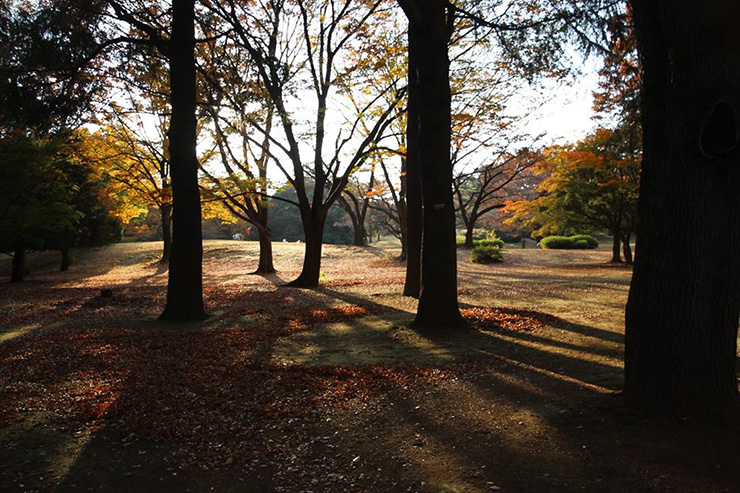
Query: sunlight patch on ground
{"points": [[17, 332], [364, 341]]}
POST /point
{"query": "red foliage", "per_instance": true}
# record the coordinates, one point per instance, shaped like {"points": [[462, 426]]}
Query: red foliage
{"points": [[212, 390], [499, 318]]}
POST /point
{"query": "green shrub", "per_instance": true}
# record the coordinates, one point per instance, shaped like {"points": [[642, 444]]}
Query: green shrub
{"points": [[575, 242], [556, 243], [494, 242], [484, 254], [589, 240], [460, 240]]}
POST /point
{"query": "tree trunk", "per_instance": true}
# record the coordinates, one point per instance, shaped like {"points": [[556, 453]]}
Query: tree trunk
{"points": [[616, 248], [66, 258], [684, 301], [401, 210], [627, 249], [403, 227], [265, 263], [469, 236], [185, 284], [166, 211], [359, 235], [412, 178], [438, 296], [19, 263], [313, 229]]}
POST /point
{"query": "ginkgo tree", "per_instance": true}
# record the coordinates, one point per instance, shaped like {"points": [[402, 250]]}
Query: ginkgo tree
{"points": [[134, 158]]}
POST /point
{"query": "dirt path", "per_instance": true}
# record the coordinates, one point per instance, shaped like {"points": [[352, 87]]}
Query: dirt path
{"points": [[284, 389]]}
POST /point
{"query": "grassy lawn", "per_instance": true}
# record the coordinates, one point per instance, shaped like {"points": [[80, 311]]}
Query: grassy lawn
{"points": [[285, 389]]}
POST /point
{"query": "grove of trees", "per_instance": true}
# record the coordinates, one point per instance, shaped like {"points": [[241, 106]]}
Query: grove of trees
{"points": [[392, 110]]}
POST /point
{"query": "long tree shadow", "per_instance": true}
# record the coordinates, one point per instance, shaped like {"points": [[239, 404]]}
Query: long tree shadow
{"points": [[209, 405]]}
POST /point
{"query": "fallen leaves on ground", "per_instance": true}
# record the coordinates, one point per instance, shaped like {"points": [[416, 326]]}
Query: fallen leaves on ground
{"points": [[506, 319]]}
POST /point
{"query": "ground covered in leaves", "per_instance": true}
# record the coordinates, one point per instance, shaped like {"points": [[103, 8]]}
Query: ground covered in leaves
{"points": [[285, 389]]}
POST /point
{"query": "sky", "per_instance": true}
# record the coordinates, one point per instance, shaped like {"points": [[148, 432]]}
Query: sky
{"points": [[565, 112]]}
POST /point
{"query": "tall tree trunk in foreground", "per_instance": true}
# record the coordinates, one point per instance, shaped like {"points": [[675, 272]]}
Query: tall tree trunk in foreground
{"points": [[684, 301], [18, 273], [185, 285], [438, 296], [165, 212], [412, 178]]}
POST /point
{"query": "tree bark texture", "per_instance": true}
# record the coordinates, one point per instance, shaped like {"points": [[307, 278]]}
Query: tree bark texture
{"points": [[166, 213], [412, 178], [438, 295], [684, 301], [18, 274], [185, 284]]}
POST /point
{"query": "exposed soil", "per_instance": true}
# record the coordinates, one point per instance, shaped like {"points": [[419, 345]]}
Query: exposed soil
{"points": [[285, 389]]}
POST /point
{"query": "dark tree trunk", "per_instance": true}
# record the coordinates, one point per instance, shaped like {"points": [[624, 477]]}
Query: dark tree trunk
{"points": [[469, 236], [265, 263], [18, 273], [166, 213], [616, 248], [313, 229], [438, 296], [403, 227], [359, 235], [66, 259], [412, 179], [185, 284], [684, 301], [627, 249]]}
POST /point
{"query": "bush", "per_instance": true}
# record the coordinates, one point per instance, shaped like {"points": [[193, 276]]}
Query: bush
{"points": [[460, 240], [484, 254], [556, 242], [588, 240], [494, 242], [575, 242]]}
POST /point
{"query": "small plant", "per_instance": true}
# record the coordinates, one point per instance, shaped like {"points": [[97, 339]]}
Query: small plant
{"points": [[575, 242], [484, 254], [460, 240]]}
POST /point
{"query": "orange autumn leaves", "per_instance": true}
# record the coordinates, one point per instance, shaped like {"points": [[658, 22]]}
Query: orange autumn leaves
{"points": [[590, 185]]}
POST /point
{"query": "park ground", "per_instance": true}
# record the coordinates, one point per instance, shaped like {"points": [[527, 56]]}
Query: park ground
{"points": [[285, 389]]}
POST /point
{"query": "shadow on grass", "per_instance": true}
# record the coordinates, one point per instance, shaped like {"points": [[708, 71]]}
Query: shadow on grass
{"points": [[517, 410]]}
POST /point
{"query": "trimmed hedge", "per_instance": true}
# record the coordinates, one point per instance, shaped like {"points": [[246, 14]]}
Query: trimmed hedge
{"points": [[485, 254], [575, 242], [587, 240]]}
